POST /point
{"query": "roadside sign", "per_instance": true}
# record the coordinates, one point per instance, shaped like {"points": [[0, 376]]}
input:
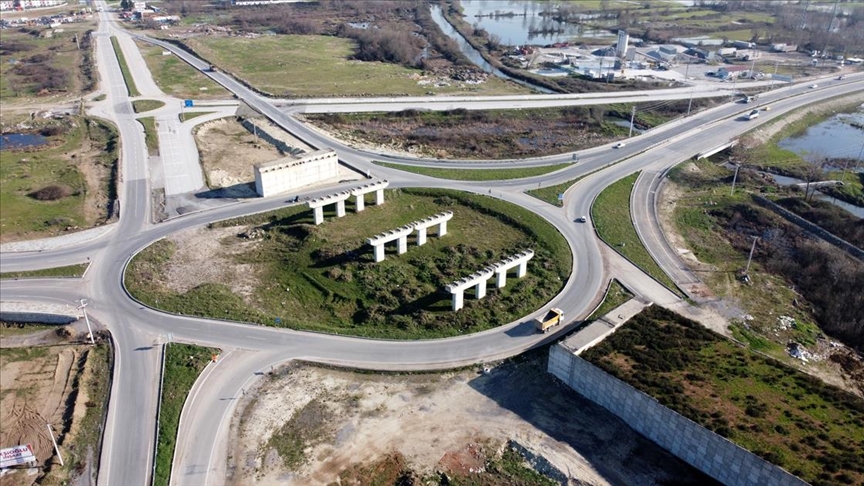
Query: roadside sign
{"points": [[782, 78], [14, 456], [187, 103], [278, 320], [561, 196]]}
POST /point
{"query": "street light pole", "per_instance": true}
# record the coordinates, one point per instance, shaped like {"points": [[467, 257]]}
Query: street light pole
{"points": [[83, 308], [734, 178], [750, 258], [690, 103], [632, 118], [56, 449]]}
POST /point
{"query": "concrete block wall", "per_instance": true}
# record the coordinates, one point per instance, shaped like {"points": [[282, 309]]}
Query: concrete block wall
{"points": [[712, 454], [288, 174]]}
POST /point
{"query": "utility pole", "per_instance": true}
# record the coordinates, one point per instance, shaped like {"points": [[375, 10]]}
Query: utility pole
{"points": [[750, 258], [735, 178], [56, 449], [83, 308], [77, 43], [690, 103], [632, 118]]}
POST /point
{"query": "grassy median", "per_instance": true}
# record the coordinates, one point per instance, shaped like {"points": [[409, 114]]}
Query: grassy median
{"points": [[183, 365], [151, 139], [140, 106], [124, 68], [76, 270], [612, 220]]}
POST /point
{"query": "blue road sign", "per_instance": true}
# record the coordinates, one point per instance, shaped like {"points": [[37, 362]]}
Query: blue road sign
{"points": [[187, 103], [561, 196]]}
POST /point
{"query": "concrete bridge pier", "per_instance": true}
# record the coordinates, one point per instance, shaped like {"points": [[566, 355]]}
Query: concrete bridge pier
{"points": [[318, 214], [340, 208], [360, 203]]}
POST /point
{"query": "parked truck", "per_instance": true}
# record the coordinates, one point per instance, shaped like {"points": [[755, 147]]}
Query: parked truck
{"points": [[550, 320]]}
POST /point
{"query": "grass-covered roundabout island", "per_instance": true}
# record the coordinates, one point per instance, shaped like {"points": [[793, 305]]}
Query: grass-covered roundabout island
{"points": [[279, 269]]}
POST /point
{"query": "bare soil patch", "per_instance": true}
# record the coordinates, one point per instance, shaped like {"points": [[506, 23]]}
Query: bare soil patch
{"points": [[428, 425], [200, 256], [228, 152]]}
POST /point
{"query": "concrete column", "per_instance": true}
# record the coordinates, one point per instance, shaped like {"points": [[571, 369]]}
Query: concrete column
{"points": [[457, 300], [379, 197], [319, 215], [360, 205], [501, 278], [481, 289], [421, 236], [521, 269], [340, 208], [442, 229], [379, 252], [402, 244]]}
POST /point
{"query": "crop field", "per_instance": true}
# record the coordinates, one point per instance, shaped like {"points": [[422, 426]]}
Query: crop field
{"points": [[811, 429], [178, 79], [317, 65], [291, 273], [66, 184]]}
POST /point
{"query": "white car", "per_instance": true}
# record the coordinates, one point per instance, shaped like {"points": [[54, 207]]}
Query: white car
{"points": [[814, 86], [620, 145], [581, 219]]}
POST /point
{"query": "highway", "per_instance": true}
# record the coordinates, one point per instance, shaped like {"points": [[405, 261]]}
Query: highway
{"points": [[249, 350]]}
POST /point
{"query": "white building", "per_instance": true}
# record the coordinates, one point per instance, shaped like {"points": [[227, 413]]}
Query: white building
{"points": [[289, 173]]}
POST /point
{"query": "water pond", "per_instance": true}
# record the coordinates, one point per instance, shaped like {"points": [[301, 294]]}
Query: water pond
{"points": [[11, 141]]}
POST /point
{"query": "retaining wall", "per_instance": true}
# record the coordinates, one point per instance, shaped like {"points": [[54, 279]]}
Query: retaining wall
{"points": [[712, 454], [817, 230]]}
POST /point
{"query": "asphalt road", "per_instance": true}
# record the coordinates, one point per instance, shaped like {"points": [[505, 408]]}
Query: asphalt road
{"points": [[128, 446]]}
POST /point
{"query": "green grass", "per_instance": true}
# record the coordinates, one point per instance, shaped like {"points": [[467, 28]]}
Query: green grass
{"points": [[616, 295], [186, 116], [476, 174], [320, 66], [791, 419], [67, 271], [335, 286], [177, 78], [151, 139], [23, 172], [124, 68], [140, 106], [550, 194], [611, 216], [8, 329], [183, 365]]}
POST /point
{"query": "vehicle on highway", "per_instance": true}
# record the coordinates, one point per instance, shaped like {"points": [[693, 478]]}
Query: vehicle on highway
{"points": [[753, 115], [814, 86], [581, 219], [841, 77], [620, 145], [767, 108], [550, 320]]}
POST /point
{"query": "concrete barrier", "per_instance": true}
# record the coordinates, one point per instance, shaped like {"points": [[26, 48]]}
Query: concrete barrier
{"points": [[712, 454]]}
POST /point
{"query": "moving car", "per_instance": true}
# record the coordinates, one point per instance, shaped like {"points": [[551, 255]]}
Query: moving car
{"points": [[841, 77], [581, 219], [813, 86], [620, 145]]}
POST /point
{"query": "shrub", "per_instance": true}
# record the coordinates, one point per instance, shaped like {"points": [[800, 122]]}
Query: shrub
{"points": [[51, 193]]}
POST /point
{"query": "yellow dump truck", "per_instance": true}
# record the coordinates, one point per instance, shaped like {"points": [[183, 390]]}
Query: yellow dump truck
{"points": [[550, 320]]}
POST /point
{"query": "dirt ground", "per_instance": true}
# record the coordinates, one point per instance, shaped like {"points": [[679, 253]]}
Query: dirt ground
{"points": [[228, 152], [35, 392], [201, 257], [447, 423]]}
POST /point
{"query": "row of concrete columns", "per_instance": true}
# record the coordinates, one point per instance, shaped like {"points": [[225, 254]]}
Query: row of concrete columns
{"points": [[400, 235], [317, 205], [478, 279]]}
